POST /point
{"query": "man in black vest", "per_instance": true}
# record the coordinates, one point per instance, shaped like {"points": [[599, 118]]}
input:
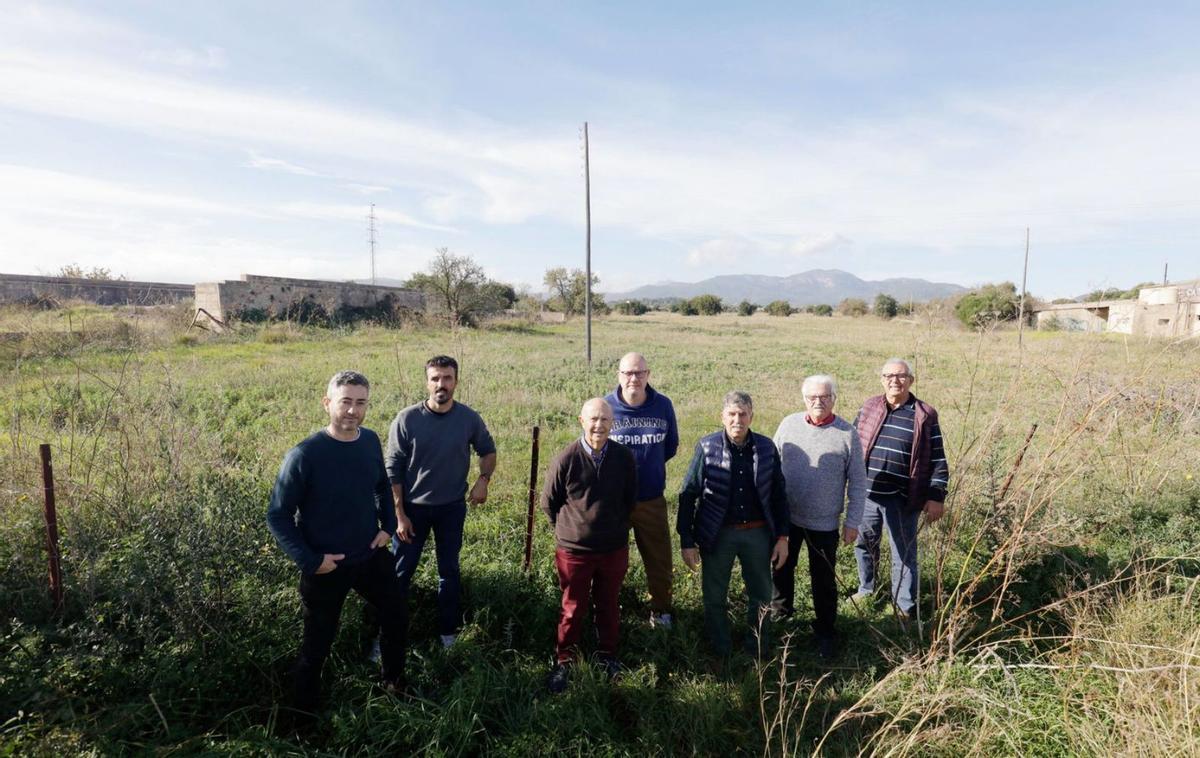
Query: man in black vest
{"points": [[733, 506]]}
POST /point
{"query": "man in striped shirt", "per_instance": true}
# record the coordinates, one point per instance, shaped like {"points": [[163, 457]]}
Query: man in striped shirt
{"points": [[907, 475]]}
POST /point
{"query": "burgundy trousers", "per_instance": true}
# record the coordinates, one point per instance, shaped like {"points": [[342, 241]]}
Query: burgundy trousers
{"points": [[589, 576]]}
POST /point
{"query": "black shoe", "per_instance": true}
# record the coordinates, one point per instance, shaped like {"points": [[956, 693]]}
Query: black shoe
{"points": [[826, 648], [556, 682], [610, 666]]}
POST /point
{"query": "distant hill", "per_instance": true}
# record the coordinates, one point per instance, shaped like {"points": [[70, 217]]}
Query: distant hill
{"points": [[808, 288]]}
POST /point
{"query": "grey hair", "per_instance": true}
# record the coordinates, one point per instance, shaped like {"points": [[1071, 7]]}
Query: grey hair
{"points": [[824, 379], [604, 404], [342, 378], [740, 399], [907, 366]]}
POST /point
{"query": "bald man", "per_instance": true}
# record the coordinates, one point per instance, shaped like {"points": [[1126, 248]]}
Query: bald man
{"points": [[591, 488], [644, 420]]}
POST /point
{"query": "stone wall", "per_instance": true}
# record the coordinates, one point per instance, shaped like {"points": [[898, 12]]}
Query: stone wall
{"points": [[18, 288], [258, 297]]}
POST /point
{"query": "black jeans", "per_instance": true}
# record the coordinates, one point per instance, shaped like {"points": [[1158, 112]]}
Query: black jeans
{"points": [[822, 562], [321, 599]]}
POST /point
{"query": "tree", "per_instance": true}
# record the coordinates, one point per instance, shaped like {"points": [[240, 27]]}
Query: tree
{"points": [[988, 305], [779, 308], [684, 308], [502, 295], [632, 307], [853, 306], [568, 291], [885, 306], [97, 273], [456, 285], [707, 305], [746, 308], [820, 310]]}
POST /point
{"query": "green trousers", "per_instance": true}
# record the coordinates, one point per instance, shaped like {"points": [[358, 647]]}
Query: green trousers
{"points": [[751, 548]]}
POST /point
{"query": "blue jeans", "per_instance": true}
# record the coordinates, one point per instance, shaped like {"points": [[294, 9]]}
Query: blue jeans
{"points": [[446, 523], [902, 534]]}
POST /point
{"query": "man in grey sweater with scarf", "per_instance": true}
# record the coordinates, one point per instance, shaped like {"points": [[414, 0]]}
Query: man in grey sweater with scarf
{"points": [[823, 466]]}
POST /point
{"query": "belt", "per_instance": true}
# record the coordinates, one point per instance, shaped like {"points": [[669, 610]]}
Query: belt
{"points": [[749, 524]]}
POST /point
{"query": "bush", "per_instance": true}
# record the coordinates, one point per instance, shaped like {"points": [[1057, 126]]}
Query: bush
{"points": [[632, 308], [853, 306], [780, 308], [707, 305], [988, 305], [885, 306], [820, 310], [746, 308]]}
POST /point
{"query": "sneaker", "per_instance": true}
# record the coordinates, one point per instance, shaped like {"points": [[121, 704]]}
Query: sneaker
{"points": [[660, 620], [557, 680], [374, 652], [610, 666], [448, 640], [861, 596]]}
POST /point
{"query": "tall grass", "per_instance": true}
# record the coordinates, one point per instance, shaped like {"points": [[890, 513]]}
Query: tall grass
{"points": [[1060, 614]]}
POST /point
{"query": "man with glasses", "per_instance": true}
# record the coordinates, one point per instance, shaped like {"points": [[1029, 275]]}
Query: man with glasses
{"points": [[644, 421], [822, 464], [907, 475]]}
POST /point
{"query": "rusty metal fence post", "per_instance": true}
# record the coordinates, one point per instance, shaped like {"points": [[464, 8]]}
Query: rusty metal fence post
{"points": [[56, 588], [533, 467]]}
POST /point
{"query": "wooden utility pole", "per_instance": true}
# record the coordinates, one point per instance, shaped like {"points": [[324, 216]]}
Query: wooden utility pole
{"points": [[587, 197], [1021, 312]]}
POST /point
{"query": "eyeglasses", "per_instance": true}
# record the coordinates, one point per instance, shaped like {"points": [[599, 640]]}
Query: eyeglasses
{"points": [[821, 398], [631, 374], [897, 377]]}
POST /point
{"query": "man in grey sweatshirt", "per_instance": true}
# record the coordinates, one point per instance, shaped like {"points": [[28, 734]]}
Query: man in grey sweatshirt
{"points": [[823, 467]]}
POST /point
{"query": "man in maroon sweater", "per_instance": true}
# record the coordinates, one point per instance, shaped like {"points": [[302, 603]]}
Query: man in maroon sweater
{"points": [[591, 488]]}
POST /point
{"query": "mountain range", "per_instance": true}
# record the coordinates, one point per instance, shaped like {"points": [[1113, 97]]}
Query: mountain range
{"points": [[807, 288]]}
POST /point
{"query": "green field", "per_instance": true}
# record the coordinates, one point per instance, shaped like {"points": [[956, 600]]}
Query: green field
{"points": [[1061, 619]]}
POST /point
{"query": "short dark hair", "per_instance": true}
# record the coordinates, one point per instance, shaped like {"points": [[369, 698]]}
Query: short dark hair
{"points": [[342, 378], [442, 361]]}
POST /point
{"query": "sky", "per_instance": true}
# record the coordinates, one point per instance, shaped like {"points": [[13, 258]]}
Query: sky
{"points": [[197, 141]]}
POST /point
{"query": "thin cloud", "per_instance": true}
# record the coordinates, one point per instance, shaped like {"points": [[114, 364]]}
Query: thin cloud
{"points": [[208, 58], [276, 164]]}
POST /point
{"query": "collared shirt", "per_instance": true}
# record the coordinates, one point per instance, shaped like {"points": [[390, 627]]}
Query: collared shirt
{"points": [[828, 420], [597, 455], [890, 459], [744, 505]]}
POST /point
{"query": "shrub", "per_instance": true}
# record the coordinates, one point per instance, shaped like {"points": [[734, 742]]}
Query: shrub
{"points": [[746, 308], [632, 308], [707, 305], [988, 305], [885, 306], [853, 306], [780, 308], [821, 309]]}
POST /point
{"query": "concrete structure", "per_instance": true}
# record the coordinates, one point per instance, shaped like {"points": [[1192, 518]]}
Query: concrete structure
{"points": [[1172, 310], [278, 297], [18, 288]]}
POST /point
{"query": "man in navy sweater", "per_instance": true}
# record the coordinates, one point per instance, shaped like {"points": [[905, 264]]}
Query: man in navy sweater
{"points": [[644, 421], [331, 512]]}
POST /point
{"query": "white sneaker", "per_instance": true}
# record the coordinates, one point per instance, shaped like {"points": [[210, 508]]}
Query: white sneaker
{"points": [[660, 620], [448, 640]]}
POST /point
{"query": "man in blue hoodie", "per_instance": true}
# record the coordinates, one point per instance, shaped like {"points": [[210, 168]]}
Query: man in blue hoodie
{"points": [[331, 512], [644, 421]]}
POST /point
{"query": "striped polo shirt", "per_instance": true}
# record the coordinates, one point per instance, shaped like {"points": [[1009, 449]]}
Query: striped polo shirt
{"points": [[891, 457]]}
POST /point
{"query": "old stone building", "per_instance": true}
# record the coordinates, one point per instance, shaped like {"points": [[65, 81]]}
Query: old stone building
{"points": [[257, 297], [1172, 310]]}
